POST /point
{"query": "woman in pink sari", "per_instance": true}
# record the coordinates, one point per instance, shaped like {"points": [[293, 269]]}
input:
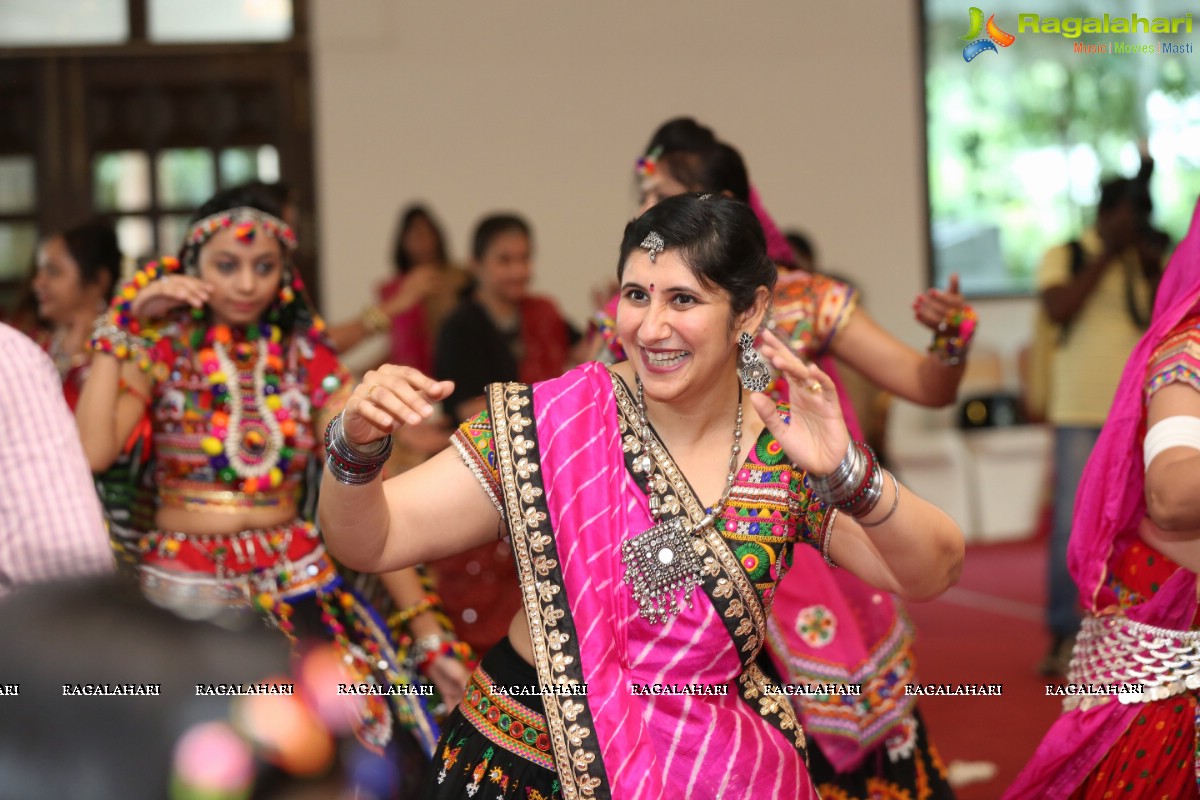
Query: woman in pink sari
{"points": [[1135, 553], [648, 547], [832, 627]]}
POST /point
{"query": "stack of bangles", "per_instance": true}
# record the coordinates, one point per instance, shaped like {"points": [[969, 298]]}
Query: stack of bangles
{"points": [[118, 342], [430, 602], [952, 339], [856, 485], [347, 463], [427, 649]]}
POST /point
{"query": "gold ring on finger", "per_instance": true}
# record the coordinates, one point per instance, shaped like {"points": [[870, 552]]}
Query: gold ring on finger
{"points": [[815, 387], [371, 388]]}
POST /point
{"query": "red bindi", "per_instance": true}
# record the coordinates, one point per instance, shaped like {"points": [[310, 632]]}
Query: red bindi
{"points": [[652, 287]]}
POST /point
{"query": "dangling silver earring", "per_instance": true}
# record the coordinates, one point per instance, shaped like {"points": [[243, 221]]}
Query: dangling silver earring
{"points": [[752, 372]]}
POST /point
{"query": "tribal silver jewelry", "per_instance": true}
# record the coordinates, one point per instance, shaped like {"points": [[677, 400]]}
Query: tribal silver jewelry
{"points": [[753, 372], [665, 558], [653, 244]]}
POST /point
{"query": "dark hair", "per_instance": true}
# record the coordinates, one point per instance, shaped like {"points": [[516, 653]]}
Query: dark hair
{"points": [[263, 196], [693, 155], [681, 133], [94, 247], [801, 244], [1119, 191], [400, 257], [493, 226], [718, 238]]}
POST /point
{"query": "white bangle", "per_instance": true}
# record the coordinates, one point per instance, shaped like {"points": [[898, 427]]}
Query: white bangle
{"points": [[1179, 431]]}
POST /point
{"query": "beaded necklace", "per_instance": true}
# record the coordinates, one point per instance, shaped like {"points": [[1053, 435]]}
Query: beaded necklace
{"points": [[253, 436]]}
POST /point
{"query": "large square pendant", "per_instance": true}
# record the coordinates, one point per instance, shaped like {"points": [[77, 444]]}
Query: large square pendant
{"points": [[659, 562]]}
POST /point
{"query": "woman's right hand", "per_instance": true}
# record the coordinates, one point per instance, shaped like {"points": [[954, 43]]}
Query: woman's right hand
{"points": [[158, 298], [387, 398], [419, 284]]}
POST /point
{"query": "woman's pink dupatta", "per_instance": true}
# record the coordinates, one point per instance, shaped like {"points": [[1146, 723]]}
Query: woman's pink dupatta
{"points": [[594, 505], [1108, 510]]}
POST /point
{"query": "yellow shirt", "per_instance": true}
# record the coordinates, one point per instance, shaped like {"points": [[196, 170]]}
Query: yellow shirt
{"points": [[1087, 365]]}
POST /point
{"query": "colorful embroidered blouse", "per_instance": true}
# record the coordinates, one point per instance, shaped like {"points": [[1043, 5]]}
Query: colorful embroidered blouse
{"points": [[809, 310], [759, 522], [1136, 573], [239, 415]]}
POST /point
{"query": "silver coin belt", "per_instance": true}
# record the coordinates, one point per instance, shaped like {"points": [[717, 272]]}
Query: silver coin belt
{"points": [[1143, 663]]}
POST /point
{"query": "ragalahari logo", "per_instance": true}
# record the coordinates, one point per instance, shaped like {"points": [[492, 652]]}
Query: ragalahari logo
{"points": [[976, 43]]}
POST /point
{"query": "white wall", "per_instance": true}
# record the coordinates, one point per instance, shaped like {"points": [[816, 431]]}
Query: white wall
{"points": [[544, 107]]}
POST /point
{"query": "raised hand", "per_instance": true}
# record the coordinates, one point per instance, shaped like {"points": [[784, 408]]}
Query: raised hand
{"points": [[815, 439], [419, 284], [387, 398], [933, 305], [450, 677], [158, 298]]}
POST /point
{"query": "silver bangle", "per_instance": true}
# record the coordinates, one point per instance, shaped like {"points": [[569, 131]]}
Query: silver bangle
{"points": [[855, 486], [834, 487], [892, 510], [425, 645], [349, 465]]}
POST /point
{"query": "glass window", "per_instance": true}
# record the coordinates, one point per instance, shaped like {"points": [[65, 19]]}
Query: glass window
{"points": [[185, 177], [18, 189], [1028, 113], [171, 230], [242, 164], [27, 23], [135, 236], [18, 240], [121, 181], [219, 20]]}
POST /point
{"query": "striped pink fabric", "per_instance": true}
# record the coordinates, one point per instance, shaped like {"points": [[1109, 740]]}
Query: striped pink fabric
{"points": [[50, 520], [652, 747]]}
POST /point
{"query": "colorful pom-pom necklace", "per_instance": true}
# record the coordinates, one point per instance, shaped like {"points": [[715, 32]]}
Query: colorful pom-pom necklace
{"points": [[252, 435]]}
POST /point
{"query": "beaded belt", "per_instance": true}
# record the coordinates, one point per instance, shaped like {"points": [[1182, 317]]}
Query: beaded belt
{"points": [[286, 561], [507, 723], [1141, 663], [190, 498]]}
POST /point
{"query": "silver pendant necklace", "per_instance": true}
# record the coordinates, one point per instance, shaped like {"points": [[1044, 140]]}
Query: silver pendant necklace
{"points": [[665, 558]]}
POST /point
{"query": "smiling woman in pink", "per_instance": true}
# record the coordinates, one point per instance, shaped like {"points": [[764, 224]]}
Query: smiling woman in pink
{"points": [[652, 507]]}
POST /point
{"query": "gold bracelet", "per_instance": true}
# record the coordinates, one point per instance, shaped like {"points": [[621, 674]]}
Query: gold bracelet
{"points": [[375, 320], [406, 615]]}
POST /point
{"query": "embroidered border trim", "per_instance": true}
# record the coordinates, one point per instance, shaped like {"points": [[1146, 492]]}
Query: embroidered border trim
{"points": [[576, 748], [472, 459], [722, 577], [507, 722], [883, 675]]}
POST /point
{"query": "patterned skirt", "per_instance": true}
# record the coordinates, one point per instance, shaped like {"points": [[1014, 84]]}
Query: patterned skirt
{"points": [[906, 766], [285, 575], [492, 743], [1154, 758]]}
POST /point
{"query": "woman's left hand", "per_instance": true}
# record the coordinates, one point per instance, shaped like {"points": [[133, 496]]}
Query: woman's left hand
{"points": [[450, 677], [934, 305], [815, 438]]}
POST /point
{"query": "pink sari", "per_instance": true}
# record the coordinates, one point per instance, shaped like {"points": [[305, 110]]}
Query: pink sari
{"points": [[1108, 510], [570, 500]]}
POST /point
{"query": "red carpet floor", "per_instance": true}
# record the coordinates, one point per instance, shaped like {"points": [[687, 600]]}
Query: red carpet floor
{"points": [[988, 629]]}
